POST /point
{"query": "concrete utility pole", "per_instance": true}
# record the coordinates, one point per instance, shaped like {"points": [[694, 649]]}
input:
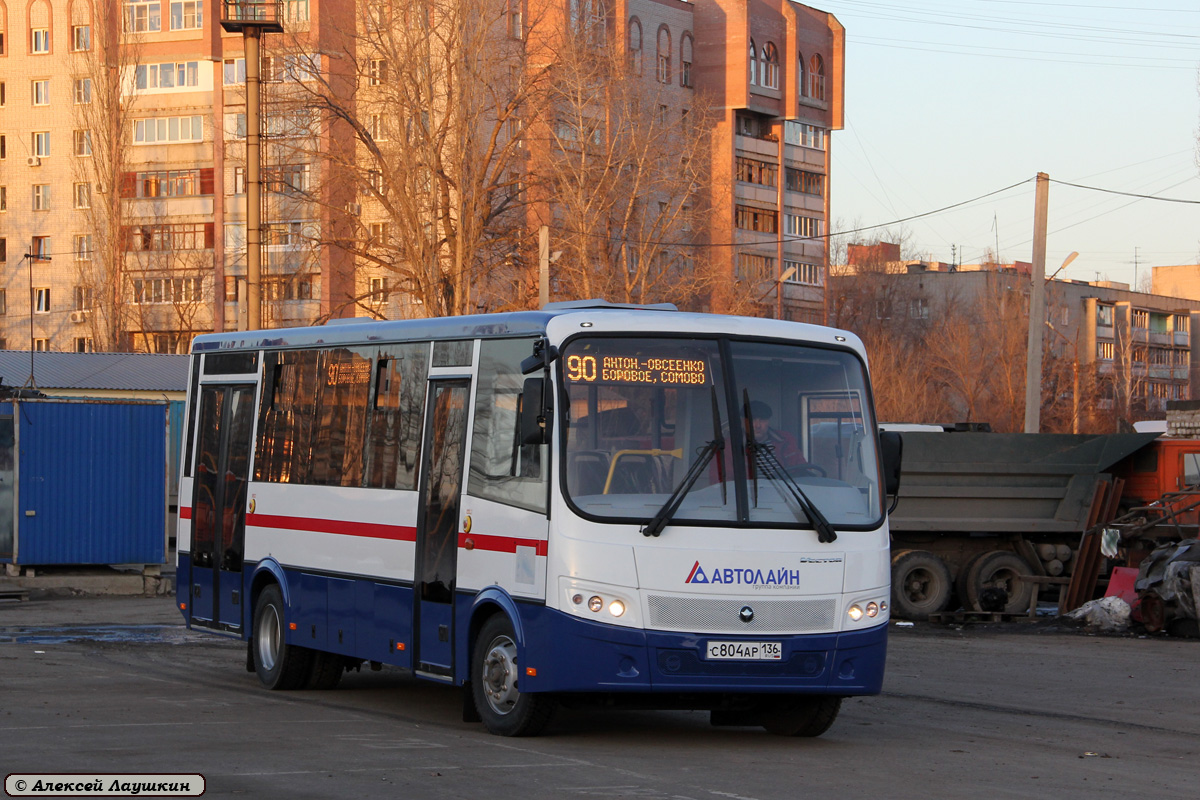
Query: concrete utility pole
{"points": [[1037, 308], [253, 18]]}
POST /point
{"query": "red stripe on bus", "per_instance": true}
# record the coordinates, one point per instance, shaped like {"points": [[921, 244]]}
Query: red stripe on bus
{"points": [[185, 512], [501, 544], [371, 530]]}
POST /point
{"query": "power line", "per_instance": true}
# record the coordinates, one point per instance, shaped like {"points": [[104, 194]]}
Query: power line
{"points": [[1130, 194]]}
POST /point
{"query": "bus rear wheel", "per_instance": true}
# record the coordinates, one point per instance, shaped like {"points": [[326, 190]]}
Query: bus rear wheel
{"points": [[802, 715], [505, 710], [278, 664]]}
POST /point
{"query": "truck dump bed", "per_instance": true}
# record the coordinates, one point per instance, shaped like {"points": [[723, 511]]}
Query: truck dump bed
{"points": [[1004, 482]]}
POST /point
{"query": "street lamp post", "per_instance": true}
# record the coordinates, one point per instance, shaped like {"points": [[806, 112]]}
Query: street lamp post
{"points": [[30, 257]]}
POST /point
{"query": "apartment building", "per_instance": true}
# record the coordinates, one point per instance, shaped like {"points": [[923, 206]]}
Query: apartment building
{"points": [[174, 193], [171, 188], [1130, 352]]}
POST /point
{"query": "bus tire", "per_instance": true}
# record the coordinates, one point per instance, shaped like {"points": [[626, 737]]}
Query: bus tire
{"points": [[325, 672], [999, 569], [802, 715], [505, 710], [278, 664], [921, 584]]}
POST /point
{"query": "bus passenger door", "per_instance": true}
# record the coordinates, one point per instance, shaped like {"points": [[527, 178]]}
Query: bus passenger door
{"points": [[441, 485], [219, 505]]}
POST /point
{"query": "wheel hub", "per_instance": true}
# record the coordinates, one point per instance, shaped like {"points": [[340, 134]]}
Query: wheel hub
{"points": [[500, 675]]}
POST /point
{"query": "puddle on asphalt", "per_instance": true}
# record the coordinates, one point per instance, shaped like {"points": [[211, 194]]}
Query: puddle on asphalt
{"points": [[142, 634]]}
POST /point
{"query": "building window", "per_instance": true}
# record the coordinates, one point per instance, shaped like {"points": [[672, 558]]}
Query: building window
{"points": [[169, 183], [750, 170], [41, 144], [41, 300], [379, 290], [3, 147], [685, 60], [143, 16], [753, 64], [757, 219], [284, 234], [179, 236], [41, 197], [918, 308], [3, 301], [83, 247], [83, 143], [770, 66], [635, 46], [377, 72], [170, 129], [288, 179], [83, 298], [816, 78], [235, 71], [40, 249], [801, 72], [804, 135], [798, 180], [1104, 351], [1104, 316], [41, 345], [805, 227], [167, 290], [81, 38], [187, 15], [3, 250], [41, 92], [83, 344], [756, 268], [83, 91], [799, 272], [516, 26], [3, 94], [83, 195], [3, 198], [172, 75], [231, 289], [239, 180], [295, 10], [378, 232], [1141, 319], [40, 40], [663, 69]]}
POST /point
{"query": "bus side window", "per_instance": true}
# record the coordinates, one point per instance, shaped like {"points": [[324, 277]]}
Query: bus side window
{"points": [[394, 424], [503, 469]]}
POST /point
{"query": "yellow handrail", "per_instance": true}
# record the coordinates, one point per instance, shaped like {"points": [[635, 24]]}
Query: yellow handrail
{"points": [[677, 453]]}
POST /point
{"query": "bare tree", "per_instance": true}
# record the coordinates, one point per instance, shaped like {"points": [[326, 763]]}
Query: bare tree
{"points": [[103, 113], [623, 162]]}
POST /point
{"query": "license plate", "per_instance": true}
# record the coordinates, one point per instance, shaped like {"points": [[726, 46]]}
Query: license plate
{"points": [[744, 651]]}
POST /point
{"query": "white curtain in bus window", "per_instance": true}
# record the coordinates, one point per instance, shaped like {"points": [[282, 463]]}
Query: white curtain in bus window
{"points": [[394, 426], [805, 412], [502, 469], [641, 415]]}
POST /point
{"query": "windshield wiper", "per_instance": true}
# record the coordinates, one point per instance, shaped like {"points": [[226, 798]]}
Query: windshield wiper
{"points": [[765, 460], [705, 455]]}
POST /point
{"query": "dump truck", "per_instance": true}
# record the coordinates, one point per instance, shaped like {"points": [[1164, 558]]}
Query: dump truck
{"points": [[979, 513]]}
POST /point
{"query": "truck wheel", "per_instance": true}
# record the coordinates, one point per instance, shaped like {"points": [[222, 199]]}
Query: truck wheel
{"points": [[506, 711], [920, 584], [279, 665], [1002, 570], [802, 716]]}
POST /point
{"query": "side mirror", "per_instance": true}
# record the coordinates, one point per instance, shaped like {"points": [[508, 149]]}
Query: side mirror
{"points": [[891, 450], [535, 425]]}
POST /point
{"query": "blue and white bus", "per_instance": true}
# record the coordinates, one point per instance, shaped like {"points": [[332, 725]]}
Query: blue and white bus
{"points": [[590, 502]]}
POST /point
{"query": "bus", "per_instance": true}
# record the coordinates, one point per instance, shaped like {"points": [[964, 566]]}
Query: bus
{"points": [[587, 503]]}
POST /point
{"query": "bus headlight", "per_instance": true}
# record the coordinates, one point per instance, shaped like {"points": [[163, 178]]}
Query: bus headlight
{"points": [[872, 609], [595, 603], [599, 603], [855, 612], [616, 608]]}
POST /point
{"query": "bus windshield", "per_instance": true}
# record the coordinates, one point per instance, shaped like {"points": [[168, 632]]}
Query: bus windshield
{"points": [[767, 417]]}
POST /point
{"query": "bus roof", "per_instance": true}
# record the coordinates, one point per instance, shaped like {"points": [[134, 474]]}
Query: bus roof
{"points": [[606, 316]]}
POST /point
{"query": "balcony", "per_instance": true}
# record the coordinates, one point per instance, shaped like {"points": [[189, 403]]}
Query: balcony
{"points": [[265, 15]]}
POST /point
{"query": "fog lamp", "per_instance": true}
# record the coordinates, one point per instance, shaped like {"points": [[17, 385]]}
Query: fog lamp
{"points": [[595, 603]]}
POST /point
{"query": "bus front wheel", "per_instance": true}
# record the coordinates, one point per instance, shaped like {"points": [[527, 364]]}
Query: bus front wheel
{"points": [[278, 664], [505, 710], [803, 715]]}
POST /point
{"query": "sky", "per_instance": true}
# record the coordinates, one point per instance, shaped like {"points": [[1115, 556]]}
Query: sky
{"points": [[951, 100]]}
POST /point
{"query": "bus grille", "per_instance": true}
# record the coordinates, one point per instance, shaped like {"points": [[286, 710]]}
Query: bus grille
{"points": [[720, 614]]}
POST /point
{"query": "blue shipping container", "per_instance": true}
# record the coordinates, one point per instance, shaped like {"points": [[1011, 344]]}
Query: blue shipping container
{"points": [[89, 482]]}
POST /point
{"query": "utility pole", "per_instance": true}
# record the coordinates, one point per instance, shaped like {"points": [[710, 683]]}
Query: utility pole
{"points": [[1037, 308], [543, 265], [253, 18]]}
